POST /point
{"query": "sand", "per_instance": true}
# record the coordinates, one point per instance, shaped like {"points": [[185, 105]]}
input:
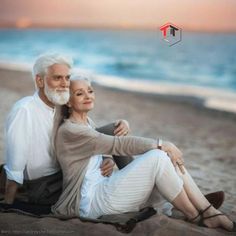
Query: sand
{"points": [[206, 137]]}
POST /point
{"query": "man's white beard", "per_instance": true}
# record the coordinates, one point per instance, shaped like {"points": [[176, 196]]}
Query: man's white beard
{"points": [[56, 97]]}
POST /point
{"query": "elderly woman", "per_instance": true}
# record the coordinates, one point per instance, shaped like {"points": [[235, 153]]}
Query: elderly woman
{"points": [[87, 193]]}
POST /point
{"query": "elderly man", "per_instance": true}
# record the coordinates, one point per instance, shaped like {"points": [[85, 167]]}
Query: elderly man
{"points": [[29, 125], [29, 159]]}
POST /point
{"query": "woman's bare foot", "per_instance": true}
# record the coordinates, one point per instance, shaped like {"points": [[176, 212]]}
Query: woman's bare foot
{"points": [[216, 221]]}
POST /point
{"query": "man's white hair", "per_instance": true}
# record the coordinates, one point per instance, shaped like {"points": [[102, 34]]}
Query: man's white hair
{"points": [[44, 61]]}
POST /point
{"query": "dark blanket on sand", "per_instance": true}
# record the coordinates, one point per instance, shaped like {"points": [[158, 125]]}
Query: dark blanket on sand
{"points": [[124, 223], [16, 224]]}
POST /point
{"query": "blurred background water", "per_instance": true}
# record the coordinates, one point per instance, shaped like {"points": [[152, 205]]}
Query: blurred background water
{"points": [[202, 59]]}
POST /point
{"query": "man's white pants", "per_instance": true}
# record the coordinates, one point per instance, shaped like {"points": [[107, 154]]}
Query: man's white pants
{"points": [[130, 188]]}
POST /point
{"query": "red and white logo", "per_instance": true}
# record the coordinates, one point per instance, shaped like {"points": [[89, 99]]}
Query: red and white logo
{"points": [[171, 33]]}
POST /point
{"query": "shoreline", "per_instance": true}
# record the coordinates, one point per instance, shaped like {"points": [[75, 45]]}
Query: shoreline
{"points": [[203, 97], [209, 98]]}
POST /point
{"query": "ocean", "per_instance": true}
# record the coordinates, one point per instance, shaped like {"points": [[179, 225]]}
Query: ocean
{"points": [[201, 59]]}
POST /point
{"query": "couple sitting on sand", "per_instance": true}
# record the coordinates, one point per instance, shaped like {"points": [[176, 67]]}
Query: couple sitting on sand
{"points": [[51, 132]]}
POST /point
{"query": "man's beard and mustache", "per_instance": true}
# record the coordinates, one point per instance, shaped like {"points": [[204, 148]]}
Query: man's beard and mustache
{"points": [[55, 96]]}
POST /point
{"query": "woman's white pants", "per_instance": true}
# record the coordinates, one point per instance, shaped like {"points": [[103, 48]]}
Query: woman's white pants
{"points": [[128, 189]]}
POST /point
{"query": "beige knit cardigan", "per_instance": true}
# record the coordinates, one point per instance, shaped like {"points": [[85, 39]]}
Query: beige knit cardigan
{"points": [[75, 144]]}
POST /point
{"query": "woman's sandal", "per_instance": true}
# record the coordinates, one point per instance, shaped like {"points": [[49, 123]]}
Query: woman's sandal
{"points": [[202, 219], [200, 214], [193, 220]]}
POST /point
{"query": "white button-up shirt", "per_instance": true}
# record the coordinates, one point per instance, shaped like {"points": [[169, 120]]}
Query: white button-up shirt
{"points": [[92, 177], [27, 139]]}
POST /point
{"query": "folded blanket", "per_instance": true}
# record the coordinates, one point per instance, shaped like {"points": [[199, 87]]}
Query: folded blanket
{"points": [[124, 223]]}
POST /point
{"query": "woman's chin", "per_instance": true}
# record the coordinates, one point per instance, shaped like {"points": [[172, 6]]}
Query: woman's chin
{"points": [[87, 109]]}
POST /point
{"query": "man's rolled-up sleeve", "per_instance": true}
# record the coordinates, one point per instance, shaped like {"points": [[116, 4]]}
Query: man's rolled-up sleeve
{"points": [[17, 134]]}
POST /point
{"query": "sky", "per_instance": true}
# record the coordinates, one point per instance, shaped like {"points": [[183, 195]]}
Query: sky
{"points": [[198, 15]]}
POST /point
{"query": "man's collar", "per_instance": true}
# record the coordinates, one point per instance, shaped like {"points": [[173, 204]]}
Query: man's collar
{"points": [[41, 102]]}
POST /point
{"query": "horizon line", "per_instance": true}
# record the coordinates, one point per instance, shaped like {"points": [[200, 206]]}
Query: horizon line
{"points": [[106, 27]]}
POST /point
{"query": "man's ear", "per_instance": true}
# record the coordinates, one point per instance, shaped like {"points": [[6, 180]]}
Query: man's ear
{"points": [[39, 81]]}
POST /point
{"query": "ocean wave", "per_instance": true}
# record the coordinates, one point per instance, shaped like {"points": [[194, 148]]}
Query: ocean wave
{"points": [[18, 66], [212, 98]]}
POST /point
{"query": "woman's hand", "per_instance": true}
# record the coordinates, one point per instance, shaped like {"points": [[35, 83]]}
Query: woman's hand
{"points": [[122, 128], [175, 155], [107, 166]]}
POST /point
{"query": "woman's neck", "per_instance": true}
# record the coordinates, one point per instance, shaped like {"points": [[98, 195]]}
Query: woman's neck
{"points": [[79, 117]]}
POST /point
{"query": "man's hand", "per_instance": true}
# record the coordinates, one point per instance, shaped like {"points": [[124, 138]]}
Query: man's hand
{"points": [[175, 154], [122, 128], [11, 190], [107, 166]]}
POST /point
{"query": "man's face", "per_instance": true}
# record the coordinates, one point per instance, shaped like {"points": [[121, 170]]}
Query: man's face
{"points": [[56, 84]]}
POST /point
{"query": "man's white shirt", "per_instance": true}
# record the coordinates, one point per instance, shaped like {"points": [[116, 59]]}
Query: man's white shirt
{"points": [[28, 133]]}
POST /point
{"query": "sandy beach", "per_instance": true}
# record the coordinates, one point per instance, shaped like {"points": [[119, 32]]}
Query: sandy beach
{"points": [[206, 137]]}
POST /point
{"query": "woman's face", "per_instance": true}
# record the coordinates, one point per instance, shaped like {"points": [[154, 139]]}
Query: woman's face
{"points": [[81, 96]]}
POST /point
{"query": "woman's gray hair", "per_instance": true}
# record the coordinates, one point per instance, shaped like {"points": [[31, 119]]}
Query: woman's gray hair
{"points": [[44, 61], [61, 113], [79, 77]]}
